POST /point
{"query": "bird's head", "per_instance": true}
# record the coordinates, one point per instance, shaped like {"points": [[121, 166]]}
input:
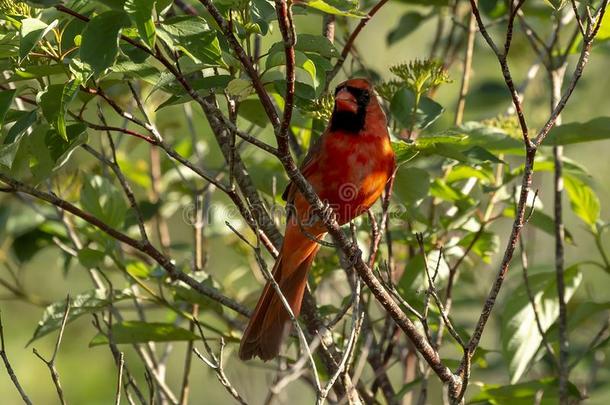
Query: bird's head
{"points": [[353, 99]]}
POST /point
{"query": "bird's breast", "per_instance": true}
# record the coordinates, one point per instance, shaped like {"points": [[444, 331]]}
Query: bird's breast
{"points": [[354, 172]]}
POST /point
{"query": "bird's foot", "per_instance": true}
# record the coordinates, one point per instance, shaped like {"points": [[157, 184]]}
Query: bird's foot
{"points": [[328, 214], [353, 258]]}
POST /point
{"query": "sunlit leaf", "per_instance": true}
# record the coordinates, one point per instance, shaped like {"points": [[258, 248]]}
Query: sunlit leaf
{"points": [[192, 36], [576, 132], [408, 23], [6, 99], [524, 393], [344, 8], [520, 336], [141, 11], [81, 304], [103, 200], [412, 113], [100, 41], [142, 332], [585, 203], [32, 31]]}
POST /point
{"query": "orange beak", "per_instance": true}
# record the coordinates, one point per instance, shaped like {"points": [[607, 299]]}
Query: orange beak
{"points": [[345, 101]]}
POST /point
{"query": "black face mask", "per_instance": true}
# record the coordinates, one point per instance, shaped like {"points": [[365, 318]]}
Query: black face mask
{"points": [[347, 120]]}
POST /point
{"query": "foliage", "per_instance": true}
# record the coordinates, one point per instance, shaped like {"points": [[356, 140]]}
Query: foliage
{"points": [[124, 113]]}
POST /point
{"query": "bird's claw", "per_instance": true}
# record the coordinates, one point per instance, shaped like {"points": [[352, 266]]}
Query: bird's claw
{"points": [[327, 213], [348, 262], [357, 253]]}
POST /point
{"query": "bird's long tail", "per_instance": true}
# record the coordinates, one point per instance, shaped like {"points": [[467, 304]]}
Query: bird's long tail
{"points": [[270, 321]]}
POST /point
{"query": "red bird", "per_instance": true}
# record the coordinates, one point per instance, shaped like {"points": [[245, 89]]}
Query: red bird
{"points": [[348, 167]]}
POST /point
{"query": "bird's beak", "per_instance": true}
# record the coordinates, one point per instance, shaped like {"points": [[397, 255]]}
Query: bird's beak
{"points": [[345, 101]]}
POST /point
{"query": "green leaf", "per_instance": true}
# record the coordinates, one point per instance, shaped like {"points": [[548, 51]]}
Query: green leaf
{"points": [[142, 332], [184, 292], [32, 31], [252, 110], [579, 315], [408, 23], [604, 29], [463, 172], [206, 86], [478, 154], [556, 4], [141, 12], [442, 190], [576, 132], [8, 153], [301, 61], [493, 8], [144, 71], [192, 36], [414, 278], [440, 3], [488, 137], [44, 150], [412, 184], [240, 88], [81, 304], [28, 244], [404, 151], [520, 336], [486, 245], [20, 126], [413, 114], [49, 101], [60, 149], [344, 8], [90, 258], [103, 200], [54, 102], [309, 43], [40, 162], [138, 270], [43, 3], [100, 40], [541, 221], [113, 4], [583, 200], [68, 93], [35, 71], [6, 99], [524, 393], [316, 44]]}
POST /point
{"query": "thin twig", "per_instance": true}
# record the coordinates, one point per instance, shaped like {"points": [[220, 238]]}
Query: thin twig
{"points": [[119, 384], [350, 41], [466, 72], [51, 363], [217, 364], [9, 368], [142, 246]]}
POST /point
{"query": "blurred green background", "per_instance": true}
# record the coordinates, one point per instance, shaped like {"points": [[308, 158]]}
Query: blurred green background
{"points": [[89, 375]]}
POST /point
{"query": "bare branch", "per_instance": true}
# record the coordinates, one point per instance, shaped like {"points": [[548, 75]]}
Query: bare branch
{"points": [[216, 364], [143, 246], [9, 368], [119, 383], [350, 41], [51, 363]]}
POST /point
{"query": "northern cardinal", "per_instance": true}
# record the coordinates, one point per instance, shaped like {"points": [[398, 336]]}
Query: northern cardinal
{"points": [[348, 167]]}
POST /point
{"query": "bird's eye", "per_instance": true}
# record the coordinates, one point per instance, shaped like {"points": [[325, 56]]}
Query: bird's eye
{"points": [[338, 89], [362, 95]]}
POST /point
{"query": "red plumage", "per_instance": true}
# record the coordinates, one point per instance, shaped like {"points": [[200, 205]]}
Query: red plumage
{"points": [[348, 167]]}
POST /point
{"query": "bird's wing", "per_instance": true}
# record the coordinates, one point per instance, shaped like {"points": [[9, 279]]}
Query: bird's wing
{"points": [[309, 162]]}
